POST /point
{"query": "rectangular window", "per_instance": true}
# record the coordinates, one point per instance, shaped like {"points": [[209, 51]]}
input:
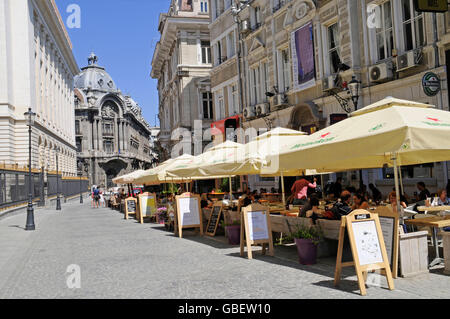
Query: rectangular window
{"points": [[79, 145], [204, 6], [286, 69], [232, 44], [384, 34], [207, 105], [108, 129], [77, 128], [235, 99], [220, 108], [108, 146], [333, 48], [413, 32], [206, 52]]}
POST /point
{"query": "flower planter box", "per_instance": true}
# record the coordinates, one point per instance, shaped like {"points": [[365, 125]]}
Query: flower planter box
{"points": [[446, 243], [413, 254]]}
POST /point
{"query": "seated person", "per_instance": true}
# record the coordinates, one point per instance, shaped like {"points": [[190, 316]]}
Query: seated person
{"points": [[360, 202], [311, 209], [342, 208], [245, 200], [205, 202], [441, 199], [393, 202]]}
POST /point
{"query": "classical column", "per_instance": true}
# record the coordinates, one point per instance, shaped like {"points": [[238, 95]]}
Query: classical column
{"points": [[94, 134], [116, 136], [100, 135]]}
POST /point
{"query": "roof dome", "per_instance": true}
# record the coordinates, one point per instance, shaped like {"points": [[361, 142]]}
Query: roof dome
{"points": [[94, 77]]}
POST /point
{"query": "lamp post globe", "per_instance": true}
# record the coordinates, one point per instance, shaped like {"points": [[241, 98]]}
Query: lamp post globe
{"points": [[354, 87], [30, 117]]}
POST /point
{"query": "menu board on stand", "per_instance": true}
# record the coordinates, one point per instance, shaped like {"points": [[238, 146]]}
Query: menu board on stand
{"points": [[147, 206], [214, 220], [256, 229], [367, 245], [188, 213], [130, 206], [389, 221]]}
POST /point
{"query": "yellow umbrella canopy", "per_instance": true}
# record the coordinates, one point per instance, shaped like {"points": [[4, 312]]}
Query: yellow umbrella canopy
{"points": [[271, 143], [415, 135], [128, 178], [226, 159], [389, 102], [151, 176]]}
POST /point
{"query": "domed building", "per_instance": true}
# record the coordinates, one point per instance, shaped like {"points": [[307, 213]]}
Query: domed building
{"points": [[112, 137]]}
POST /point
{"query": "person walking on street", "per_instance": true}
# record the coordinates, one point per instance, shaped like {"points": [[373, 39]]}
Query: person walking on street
{"points": [[96, 194]]}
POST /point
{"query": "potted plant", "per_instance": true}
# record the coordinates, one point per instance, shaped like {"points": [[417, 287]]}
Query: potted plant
{"points": [[161, 215], [233, 232], [307, 239]]}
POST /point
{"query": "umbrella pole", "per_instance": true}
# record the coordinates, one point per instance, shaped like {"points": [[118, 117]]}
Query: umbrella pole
{"points": [[397, 188], [231, 188], [402, 189], [322, 186], [282, 189]]}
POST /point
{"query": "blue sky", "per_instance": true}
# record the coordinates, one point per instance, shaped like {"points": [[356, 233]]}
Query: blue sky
{"points": [[123, 34]]}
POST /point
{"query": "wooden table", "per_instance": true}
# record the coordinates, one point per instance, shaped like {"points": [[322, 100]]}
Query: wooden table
{"points": [[436, 209], [435, 223]]}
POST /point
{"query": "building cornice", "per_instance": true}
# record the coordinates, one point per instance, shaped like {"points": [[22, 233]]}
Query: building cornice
{"points": [[55, 24]]}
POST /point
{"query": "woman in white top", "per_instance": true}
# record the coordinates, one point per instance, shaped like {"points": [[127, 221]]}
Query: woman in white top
{"points": [[441, 199]]}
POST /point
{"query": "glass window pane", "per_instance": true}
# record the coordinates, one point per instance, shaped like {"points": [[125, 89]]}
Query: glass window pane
{"points": [[406, 5]]}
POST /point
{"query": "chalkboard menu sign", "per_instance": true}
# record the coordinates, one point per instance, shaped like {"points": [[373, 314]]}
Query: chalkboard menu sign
{"points": [[214, 219], [130, 206]]}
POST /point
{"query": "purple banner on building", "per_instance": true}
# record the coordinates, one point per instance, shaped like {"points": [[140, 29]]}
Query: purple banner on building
{"points": [[303, 64]]}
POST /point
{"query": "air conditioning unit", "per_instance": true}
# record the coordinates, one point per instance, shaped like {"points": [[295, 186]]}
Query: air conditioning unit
{"points": [[328, 83], [262, 109], [408, 60], [249, 112], [279, 101], [245, 26], [380, 72]]}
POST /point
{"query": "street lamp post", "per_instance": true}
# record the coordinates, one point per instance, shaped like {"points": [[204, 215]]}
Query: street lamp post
{"points": [[80, 172], [354, 86], [30, 116], [58, 200]]}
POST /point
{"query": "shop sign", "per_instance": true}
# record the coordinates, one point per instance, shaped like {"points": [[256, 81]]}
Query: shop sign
{"points": [[431, 84]]}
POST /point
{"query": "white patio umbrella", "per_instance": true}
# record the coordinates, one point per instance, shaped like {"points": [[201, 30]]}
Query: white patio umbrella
{"points": [[393, 136]]}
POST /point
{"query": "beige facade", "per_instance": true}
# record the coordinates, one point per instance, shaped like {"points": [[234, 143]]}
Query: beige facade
{"points": [[36, 71], [385, 44], [181, 63]]}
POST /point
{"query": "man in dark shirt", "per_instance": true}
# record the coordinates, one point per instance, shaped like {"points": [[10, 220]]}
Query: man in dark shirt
{"points": [[424, 193], [336, 189], [342, 208]]}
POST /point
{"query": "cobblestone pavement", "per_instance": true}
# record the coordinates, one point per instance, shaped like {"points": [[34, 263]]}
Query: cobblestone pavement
{"points": [[122, 259]]}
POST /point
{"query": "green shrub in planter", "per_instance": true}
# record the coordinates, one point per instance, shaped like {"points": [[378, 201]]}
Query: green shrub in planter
{"points": [[307, 239]]}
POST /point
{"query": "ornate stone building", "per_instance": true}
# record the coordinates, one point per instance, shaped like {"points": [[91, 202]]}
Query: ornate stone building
{"points": [[298, 55], [37, 67], [112, 137], [181, 63]]}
